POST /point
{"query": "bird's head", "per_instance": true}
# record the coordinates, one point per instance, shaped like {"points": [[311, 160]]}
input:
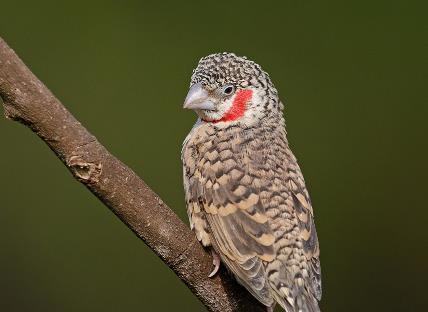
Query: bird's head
{"points": [[229, 88]]}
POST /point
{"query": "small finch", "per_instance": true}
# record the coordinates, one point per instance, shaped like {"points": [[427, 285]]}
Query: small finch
{"points": [[245, 193]]}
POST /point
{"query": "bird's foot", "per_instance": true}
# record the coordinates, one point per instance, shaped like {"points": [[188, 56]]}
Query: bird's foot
{"points": [[216, 263]]}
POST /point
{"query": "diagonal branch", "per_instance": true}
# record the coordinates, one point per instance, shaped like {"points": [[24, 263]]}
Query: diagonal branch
{"points": [[27, 100]]}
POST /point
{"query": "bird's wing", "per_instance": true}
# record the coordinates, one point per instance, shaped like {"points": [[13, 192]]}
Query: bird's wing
{"points": [[295, 274], [308, 234], [239, 228]]}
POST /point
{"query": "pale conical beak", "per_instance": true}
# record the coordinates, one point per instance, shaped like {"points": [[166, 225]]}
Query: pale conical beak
{"points": [[198, 98]]}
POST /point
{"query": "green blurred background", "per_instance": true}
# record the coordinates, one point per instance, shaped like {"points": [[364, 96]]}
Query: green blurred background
{"points": [[353, 77]]}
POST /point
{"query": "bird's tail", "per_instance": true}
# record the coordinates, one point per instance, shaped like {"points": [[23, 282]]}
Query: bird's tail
{"points": [[304, 301]]}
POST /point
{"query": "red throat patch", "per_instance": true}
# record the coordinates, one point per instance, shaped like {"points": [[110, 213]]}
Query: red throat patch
{"points": [[238, 107]]}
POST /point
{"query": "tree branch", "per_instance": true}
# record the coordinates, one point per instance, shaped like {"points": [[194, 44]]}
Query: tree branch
{"points": [[27, 100]]}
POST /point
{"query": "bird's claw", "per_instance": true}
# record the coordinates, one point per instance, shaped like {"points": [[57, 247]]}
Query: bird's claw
{"points": [[216, 263]]}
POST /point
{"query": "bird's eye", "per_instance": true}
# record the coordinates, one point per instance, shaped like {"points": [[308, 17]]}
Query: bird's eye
{"points": [[228, 90]]}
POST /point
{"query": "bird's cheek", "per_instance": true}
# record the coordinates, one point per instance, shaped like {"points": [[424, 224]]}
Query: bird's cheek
{"points": [[224, 106]]}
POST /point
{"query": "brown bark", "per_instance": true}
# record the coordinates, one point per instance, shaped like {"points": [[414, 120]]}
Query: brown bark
{"points": [[29, 101]]}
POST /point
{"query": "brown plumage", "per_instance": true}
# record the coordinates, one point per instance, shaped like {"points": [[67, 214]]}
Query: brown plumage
{"points": [[245, 193]]}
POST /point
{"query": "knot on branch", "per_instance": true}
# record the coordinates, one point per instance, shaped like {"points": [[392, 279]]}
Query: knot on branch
{"points": [[86, 172]]}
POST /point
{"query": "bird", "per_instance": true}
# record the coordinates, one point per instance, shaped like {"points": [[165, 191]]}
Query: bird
{"points": [[245, 193]]}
